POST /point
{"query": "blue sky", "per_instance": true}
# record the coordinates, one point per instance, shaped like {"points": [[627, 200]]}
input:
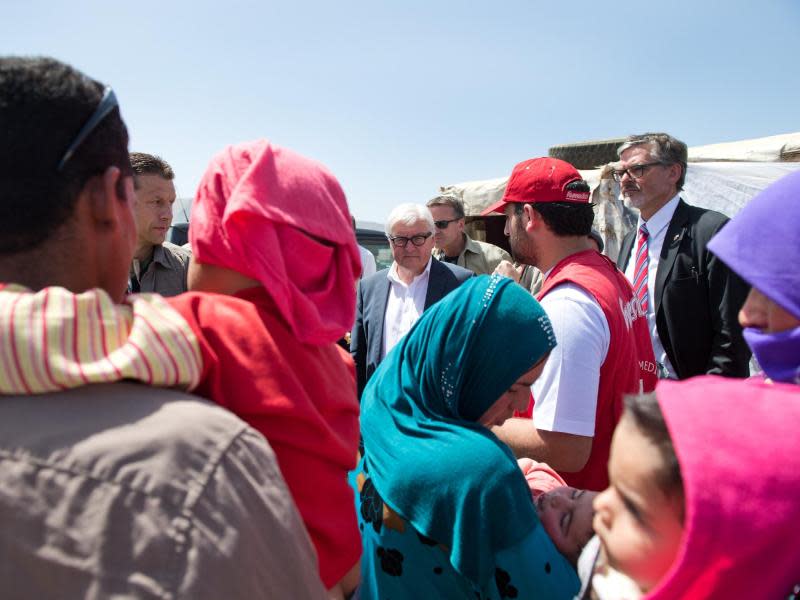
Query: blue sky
{"points": [[398, 98]]}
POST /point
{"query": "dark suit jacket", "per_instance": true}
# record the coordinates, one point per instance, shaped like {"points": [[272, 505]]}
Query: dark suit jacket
{"points": [[697, 298], [366, 339]]}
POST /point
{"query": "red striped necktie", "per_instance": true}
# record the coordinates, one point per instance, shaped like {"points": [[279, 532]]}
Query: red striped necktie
{"points": [[642, 264]]}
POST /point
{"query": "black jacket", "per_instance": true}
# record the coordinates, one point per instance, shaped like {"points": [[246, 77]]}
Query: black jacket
{"points": [[697, 298]]}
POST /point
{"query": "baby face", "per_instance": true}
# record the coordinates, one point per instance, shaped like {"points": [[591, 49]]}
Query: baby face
{"points": [[639, 525], [566, 514]]}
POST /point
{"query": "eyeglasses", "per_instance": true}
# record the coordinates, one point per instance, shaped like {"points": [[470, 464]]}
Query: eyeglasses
{"points": [[635, 171], [444, 223], [401, 241], [107, 104]]}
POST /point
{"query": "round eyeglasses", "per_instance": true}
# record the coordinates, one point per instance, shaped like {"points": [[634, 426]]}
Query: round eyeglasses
{"points": [[400, 241], [635, 171]]}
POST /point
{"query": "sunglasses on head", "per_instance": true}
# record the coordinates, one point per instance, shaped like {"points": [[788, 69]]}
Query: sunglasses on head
{"points": [[107, 103]]}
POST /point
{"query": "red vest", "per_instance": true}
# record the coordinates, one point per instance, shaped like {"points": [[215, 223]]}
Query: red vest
{"points": [[630, 365]]}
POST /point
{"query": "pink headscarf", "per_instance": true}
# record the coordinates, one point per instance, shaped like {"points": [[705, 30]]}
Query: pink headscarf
{"points": [[282, 219], [738, 449]]}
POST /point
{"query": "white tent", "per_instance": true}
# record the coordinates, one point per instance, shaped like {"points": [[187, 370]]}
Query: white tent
{"points": [[775, 148], [722, 177]]}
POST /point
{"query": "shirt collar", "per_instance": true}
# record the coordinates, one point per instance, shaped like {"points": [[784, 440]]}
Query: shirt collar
{"points": [[159, 255], [661, 218], [471, 245], [394, 278]]}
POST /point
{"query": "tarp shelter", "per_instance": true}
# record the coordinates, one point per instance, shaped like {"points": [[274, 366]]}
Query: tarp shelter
{"points": [[722, 177]]}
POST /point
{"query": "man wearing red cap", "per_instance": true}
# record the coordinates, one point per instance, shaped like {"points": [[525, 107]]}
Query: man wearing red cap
{"points": [[603, 350]]}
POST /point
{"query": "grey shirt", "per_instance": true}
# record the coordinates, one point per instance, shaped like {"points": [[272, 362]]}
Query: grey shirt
{"points": [[126, 491], [166, 273]]}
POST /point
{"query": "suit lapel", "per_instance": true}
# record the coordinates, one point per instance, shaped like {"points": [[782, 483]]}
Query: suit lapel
{"points": [[625, 251], [669, 251], [379, 314], [435, 284]]}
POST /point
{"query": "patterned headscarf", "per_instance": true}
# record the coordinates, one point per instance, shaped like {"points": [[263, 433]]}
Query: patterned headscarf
{"points": [[428, 458], [282, 219]]}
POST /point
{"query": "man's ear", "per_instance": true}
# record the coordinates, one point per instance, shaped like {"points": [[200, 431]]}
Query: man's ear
{"points": [[533, 217], [108, 194], [675, 173]]}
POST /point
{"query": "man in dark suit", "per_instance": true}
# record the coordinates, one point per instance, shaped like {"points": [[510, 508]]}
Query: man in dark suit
{"points": [[391, 301], [690, 297]]}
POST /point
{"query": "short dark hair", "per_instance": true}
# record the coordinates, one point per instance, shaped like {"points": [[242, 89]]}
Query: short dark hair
{"points": [[448, 200], [566, 218], [43, 105], [664, 148], [150, 164], [645, 412]]}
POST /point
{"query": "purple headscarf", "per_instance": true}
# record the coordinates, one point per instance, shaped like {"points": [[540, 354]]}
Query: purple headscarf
{"points": [[762, 245]]}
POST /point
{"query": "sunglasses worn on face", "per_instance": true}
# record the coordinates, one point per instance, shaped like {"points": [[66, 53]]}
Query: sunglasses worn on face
{"points": [[107, 104], [444, 223], [401, 241], [635, 171]]}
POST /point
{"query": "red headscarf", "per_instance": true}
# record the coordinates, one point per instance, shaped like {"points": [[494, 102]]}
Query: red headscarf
{"points": [[282, 219]]}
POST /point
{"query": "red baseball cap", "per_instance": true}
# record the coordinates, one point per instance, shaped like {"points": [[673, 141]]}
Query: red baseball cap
{"points": [[540, 180]]}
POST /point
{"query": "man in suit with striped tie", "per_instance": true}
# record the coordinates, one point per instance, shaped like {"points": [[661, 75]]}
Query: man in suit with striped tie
{"points": [[691, 299]]}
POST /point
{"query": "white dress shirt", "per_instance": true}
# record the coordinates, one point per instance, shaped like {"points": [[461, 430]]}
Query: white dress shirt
{"points": [[657, 226], [404, 306]]}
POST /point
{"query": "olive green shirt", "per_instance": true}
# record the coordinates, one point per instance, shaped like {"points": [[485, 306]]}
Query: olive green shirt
{"points": [[479, 257]]}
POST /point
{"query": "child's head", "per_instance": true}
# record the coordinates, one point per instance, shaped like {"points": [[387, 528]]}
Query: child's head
{"points": [[639, 518], [566, 514]]}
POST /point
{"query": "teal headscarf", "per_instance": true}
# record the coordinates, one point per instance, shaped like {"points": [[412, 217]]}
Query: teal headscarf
{"points": [[428, 458]]}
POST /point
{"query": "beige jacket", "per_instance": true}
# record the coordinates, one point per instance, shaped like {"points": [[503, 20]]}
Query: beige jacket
{"points": [[126, 491], [479, 257]]}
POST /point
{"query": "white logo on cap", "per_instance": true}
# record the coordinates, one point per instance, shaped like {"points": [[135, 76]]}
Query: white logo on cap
{"points": [[573, 195]]}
